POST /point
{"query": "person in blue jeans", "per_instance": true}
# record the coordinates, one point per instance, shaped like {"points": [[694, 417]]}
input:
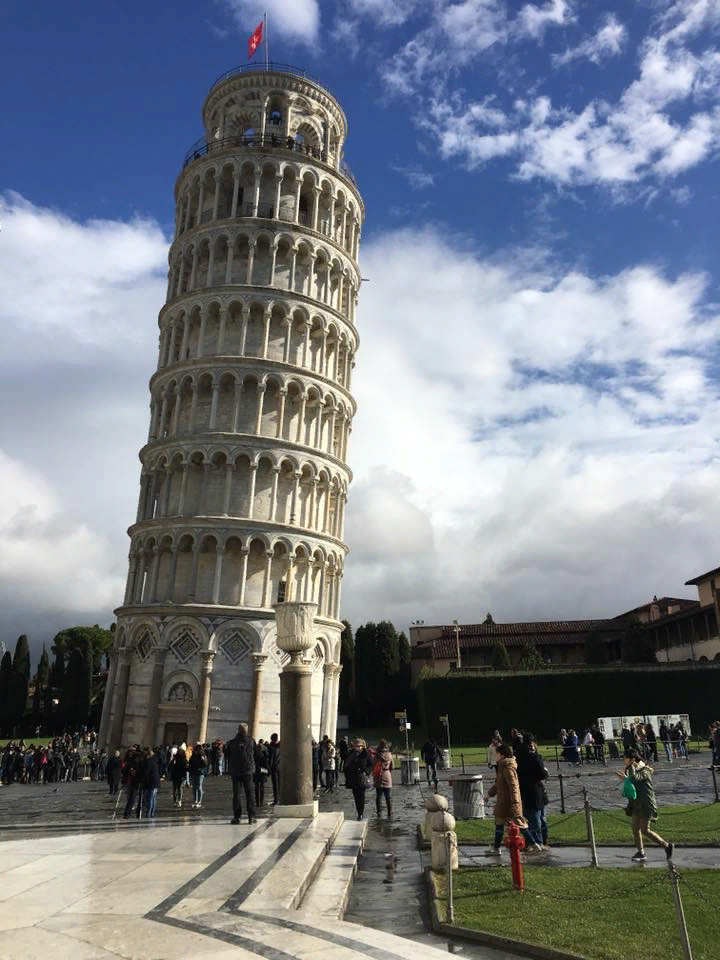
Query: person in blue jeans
{"points": [[197, 768], [532, 774]]}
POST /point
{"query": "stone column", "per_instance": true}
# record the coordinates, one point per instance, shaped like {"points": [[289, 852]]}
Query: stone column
{"points": [[259, 660], [155, 693], [334, 696], [244, 552], [236, 191], [107, 701], [119, 700], [295, 636], [205, 689], [328, 674]]}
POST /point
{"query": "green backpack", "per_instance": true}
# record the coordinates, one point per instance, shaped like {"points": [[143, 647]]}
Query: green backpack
{"points": [[628, 789]]}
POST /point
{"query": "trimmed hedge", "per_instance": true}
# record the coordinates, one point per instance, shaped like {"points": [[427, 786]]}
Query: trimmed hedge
{"points": [[546, 701]]}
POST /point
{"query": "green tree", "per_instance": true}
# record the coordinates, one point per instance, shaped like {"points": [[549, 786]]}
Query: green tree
{"points": [[638, 645], [500, 658], [405, 658], [596, 651], [42, 681], [19, 681], [75, 699], [365, 673], [21, 658], [530, 657], [488, 618], [6, 677], [76, 638], [347, 655]]}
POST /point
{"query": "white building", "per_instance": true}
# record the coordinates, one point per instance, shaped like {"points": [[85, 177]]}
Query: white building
{"points": [[244, 477]]}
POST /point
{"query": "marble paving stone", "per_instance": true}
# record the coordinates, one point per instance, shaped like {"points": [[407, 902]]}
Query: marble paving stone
{"points": [[136, 938], [34, 943]]}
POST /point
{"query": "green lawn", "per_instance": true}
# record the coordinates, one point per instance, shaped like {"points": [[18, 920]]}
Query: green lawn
{"points": [[601, 914], [36, 741], [693, 823]]}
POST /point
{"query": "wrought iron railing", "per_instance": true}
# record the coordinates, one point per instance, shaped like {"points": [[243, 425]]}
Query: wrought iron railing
{"points": [[271, 141], [261, 68]]}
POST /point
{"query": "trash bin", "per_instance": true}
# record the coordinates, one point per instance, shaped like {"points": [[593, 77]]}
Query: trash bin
{"points": [[409, 770], [447, 760], [468, 797]]}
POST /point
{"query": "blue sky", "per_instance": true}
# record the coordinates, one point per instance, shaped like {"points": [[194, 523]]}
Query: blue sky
{"points": [[541, 239]]}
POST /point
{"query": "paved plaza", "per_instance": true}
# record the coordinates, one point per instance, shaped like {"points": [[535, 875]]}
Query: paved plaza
{"points": [[78, 883]]}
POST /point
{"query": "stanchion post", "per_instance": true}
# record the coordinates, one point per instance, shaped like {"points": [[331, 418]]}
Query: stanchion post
{"points": [[679, 912], [462, 760], [557, 759], [450, 910], [590, 828], [562, 794], [713, 771]]}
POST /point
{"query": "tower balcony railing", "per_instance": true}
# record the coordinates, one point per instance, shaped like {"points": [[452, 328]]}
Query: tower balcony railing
{"points": [[271, 141], [271, 67]]}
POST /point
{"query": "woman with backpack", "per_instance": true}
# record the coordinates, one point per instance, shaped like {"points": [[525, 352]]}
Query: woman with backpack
{"points": [[382, 777], [639, 791], [358, 774]]}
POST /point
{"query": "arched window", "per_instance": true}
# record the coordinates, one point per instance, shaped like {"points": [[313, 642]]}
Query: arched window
{"points": [[180, 692], [274, 117]]}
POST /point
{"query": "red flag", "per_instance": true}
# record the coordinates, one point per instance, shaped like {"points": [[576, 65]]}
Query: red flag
{"points": [[255, 39]]}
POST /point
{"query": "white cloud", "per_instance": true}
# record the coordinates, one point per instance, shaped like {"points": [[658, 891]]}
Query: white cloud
{"points": [[607, 42], [534, 20], [415, 176], [531, 441], [385, 13], [296, 21]]}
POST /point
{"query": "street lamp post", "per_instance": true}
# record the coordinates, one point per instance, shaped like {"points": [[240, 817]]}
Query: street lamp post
{"points": [[456, 628]]}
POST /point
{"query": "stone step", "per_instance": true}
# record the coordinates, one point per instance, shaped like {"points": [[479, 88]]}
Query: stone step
{"points": [[328, 895], [284, 885]]}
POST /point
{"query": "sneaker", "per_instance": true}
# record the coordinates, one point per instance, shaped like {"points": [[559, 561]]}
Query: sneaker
{"points": [[639, 857], [493, 852], [234, 821], [669, 850], [534, 849]]}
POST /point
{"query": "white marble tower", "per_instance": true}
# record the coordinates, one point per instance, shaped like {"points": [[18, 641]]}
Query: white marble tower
{"points": [[244, 478]]}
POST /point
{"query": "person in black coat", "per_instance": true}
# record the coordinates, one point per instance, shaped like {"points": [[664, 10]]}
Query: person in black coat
{"points": [[177, 769], [532, 774], [358, 767], [134, 772], [241, 763], [113, 772], [151, 781], [261, 772], [273, 753]]}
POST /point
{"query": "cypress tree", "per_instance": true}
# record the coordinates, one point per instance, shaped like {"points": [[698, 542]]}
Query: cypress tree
{"points": [[347, 655], [21, 659], [500, 659], [6, 676]]}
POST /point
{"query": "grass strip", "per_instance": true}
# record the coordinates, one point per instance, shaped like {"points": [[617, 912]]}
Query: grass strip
{"points": [[602, 914], [691, 823]]}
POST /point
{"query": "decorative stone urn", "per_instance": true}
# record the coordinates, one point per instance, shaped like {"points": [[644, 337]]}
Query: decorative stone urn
{"points": [[443, 823], [294, 621]]}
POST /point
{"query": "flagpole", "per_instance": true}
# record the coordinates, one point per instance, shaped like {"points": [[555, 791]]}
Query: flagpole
{"points": [[267, 62]]}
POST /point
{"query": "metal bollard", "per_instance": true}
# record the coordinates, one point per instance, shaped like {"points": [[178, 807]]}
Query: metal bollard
{"points": [[449, 910], [590, 828], [713, 770], [557, 759], [562, 794], [515, 843], [462, 760], [679, 912]]}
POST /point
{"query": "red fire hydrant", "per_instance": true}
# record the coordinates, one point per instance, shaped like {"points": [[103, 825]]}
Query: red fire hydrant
{"points": [[515, 842]]}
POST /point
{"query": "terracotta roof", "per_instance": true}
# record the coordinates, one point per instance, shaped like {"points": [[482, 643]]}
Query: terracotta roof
{"points": [[660, 602], [703, 576], [477, 636]]}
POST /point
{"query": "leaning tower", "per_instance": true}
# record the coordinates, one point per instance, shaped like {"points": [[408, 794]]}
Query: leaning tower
{"points": [[244, 478]]}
